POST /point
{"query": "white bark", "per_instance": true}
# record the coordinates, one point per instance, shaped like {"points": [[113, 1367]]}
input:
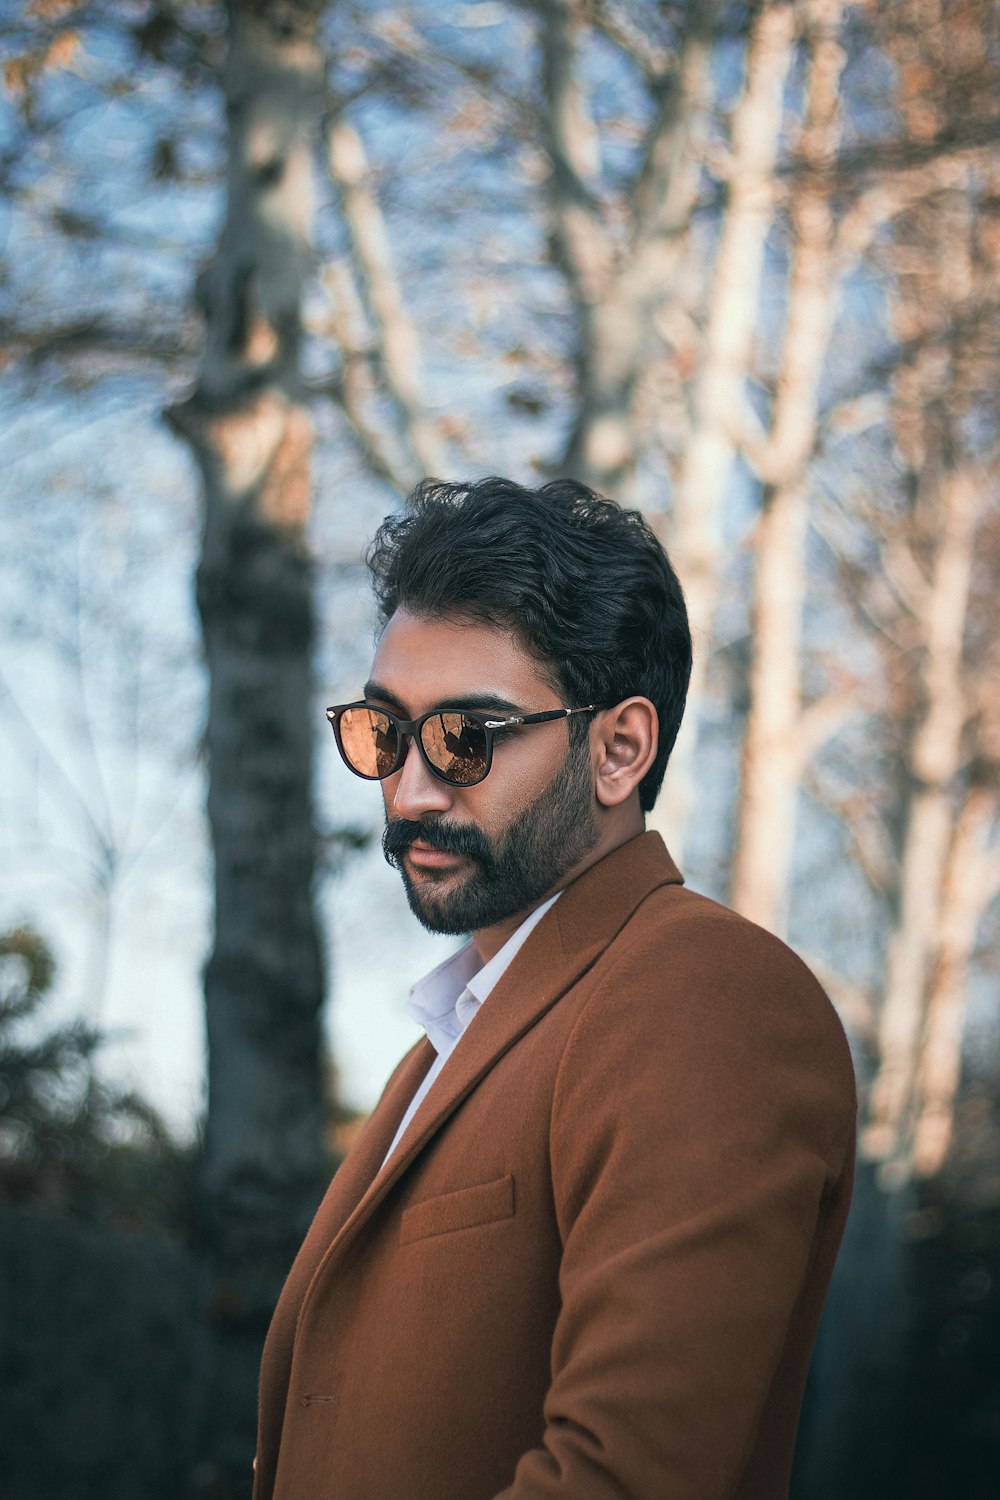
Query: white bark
{"points": [[771, 764], [775, 743], [719, 399]]}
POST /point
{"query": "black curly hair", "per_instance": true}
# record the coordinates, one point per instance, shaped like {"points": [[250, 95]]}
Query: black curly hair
{"points": [[583, 583]]}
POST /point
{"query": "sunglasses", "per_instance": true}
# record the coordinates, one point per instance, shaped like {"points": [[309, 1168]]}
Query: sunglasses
{"points": [[455, 745]]}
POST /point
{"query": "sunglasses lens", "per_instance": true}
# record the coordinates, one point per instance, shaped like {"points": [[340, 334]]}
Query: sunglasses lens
{"points": [[455, 745], [369, 741]]}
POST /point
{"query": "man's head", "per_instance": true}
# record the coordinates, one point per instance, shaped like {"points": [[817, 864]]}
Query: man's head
{"points": [[509, 600], [585, 584]]}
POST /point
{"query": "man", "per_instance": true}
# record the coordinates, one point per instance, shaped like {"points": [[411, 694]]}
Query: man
{"points": [[581, 1246]]}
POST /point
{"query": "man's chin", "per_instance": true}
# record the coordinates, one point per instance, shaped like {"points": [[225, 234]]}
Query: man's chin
{"points": [[434, 915], [435, 897]]}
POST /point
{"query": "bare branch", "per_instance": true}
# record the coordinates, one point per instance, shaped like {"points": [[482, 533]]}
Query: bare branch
{"points": [[354, 388], [618, 299], [85, 336], [396, 336], [626, 31], [869, 846], [667, 188], [820, 721], [961, 139], [903, 574], [572, 143]]}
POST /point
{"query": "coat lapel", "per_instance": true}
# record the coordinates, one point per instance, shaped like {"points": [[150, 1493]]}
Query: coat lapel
{"points": [[367, 1154], [567, 941], [349, 1184]]}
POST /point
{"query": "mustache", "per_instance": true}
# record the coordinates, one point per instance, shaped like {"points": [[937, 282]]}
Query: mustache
{"points": [[451, 838]]}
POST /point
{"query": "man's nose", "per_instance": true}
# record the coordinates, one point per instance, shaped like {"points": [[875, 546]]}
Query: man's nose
{"points": [[412, 790]]}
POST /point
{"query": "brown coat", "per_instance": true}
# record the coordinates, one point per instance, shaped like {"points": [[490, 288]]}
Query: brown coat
{"points": [[595, 1265]]}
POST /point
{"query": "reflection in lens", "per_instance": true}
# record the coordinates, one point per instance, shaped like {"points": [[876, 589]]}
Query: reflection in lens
{"points": [[456, 746], [369, 741]]}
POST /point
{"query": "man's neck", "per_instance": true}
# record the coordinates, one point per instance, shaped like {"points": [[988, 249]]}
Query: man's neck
{"points": [[489, 940]]}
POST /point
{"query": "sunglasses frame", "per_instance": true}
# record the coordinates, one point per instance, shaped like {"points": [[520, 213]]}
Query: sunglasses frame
{"points": [[412, 729]]}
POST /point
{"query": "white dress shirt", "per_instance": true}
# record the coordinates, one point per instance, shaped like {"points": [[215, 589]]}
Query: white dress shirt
{"points": [[445, 1001]]}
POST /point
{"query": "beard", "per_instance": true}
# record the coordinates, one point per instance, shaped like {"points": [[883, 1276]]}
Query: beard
{"points": [[512, 872]]}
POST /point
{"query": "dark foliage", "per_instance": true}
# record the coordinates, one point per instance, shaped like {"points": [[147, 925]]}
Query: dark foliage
{"points": [[69, 1142]]}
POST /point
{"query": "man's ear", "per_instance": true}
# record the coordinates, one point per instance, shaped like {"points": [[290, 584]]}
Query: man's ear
{"points": [[624, 741]]}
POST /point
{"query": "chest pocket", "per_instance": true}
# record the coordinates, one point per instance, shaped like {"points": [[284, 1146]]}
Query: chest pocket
{"points": [[484, 1203]]}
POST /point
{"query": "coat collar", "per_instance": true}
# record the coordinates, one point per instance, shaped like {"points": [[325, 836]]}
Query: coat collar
{"points": [[568, 940]]}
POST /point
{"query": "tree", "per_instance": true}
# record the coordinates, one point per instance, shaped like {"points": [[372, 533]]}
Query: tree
{"points": [[247, 422], [779, 733]]}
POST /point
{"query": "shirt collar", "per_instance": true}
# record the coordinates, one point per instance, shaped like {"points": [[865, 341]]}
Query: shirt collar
{"points": [[444, 1001]]}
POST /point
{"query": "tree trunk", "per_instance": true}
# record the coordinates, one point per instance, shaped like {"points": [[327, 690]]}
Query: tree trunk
{"points": [[719, 399], [971, 883], [263, 1157], [771, 763], [774, 743], [933, 762]]}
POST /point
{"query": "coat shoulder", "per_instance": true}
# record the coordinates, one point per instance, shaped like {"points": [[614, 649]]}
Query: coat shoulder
{"points": [[679, 937], [696, 982]]}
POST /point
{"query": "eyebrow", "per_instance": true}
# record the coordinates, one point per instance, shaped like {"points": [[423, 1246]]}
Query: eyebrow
{"points": [[492, 702]]}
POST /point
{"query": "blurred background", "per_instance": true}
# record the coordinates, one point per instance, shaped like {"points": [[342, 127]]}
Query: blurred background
{"points": [[262, 266]]}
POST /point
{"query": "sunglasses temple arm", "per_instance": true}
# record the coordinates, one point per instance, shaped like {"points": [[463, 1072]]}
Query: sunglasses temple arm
{"points": [[552, 713]]}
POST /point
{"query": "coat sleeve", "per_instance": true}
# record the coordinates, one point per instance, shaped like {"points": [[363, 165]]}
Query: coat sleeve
{"points": [[703, 1122]]}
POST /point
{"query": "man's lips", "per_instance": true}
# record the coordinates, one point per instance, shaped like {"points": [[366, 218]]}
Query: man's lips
{"points": [[427, 848], [427, 858]]}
